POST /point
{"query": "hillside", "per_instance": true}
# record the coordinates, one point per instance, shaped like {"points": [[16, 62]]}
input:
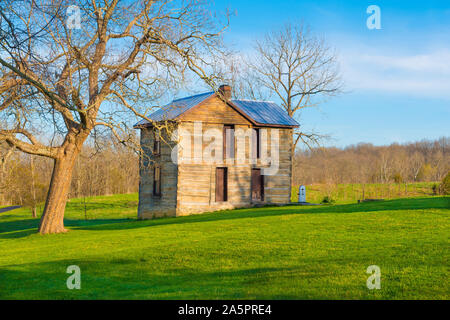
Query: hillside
{"points": [[283, 252]]}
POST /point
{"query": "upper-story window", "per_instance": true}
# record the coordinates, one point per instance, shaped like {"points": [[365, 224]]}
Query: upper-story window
{"points": [[256, 143], [228, 141], [156, 143]]}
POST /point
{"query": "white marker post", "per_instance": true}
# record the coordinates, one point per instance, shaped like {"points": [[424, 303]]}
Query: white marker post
{"points": [[302, 194]]}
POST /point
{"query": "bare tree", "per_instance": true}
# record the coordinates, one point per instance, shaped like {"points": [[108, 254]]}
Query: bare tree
{"points": [[295, 67], [6, 152], [416, 163], [34, 200], [62, 81]]}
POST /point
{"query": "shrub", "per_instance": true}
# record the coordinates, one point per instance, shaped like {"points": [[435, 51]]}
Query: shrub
{"points": [[426, 172], [397, 178], [435, 188], [444, 187], [328, 200]]}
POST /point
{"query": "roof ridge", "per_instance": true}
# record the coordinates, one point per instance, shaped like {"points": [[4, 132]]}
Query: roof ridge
{"points": [[250, 100], [193, 96]]}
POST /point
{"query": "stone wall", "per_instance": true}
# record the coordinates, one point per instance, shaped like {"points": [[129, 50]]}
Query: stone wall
{"points": [[152, 206]]}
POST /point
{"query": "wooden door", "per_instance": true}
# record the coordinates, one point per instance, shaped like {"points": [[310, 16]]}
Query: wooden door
{"points": [[257, 185], [221, 184]]}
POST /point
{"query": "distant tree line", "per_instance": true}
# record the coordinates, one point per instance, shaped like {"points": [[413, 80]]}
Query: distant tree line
{"points": [[109, 169], [365, 163]]}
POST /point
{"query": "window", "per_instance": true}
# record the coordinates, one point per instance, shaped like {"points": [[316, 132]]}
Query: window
{"points": [[157, 181], [256, 143], [156, 144], [228, 141], [221, 184]]}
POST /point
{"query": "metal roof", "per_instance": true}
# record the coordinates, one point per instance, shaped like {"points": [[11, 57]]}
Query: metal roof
{"points": [[265, 112], [176, 107], [262, 112]]}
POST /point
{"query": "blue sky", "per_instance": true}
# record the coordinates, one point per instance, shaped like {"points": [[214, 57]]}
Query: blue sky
{"points": [[397, 79]]}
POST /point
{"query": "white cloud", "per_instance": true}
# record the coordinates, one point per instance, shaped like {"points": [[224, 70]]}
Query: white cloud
{"points": [[436, 62], [422, 75]]}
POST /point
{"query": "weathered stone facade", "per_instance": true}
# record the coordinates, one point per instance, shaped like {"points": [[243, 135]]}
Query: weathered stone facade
{"points": [[150, 205], [188, 187]]}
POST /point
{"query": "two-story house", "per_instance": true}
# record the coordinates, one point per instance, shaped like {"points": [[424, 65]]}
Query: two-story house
{"points": [[220, 153]]}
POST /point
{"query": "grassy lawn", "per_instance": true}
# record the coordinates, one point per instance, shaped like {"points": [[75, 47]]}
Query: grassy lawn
{"points": [[291, 252]]}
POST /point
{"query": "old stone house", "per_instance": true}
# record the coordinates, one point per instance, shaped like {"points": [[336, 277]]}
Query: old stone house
{"points": [[219, 153]]}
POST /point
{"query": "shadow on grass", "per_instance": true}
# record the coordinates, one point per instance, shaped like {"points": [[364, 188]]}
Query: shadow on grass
{"points": [[398, 204], [5, 209], [21, 228], [129, 278]]}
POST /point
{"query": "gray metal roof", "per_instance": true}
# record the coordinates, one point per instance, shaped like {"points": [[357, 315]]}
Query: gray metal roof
{"points": [[265, 112], [176, 107], [262, 112]]}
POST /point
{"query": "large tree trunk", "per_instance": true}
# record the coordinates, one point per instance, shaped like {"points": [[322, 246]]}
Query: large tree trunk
{"points": [[52, 220]]}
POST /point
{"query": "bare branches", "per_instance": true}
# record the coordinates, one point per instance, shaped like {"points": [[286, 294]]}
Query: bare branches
{"points": [[4, 156], [126, 51], [310, 139], [293, 67], [297, 67], [9, 136], [64, 84]]}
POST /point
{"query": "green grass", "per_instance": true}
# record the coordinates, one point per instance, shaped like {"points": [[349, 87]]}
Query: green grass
{"points": [[290, 252], [347, 193]]}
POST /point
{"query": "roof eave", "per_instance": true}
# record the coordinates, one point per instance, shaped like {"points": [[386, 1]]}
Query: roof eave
{"points": [[272, 125], [150, 125], [142, 126]]}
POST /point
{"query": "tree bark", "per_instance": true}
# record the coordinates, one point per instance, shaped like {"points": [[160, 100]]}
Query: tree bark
{"points": [[52, 220]]}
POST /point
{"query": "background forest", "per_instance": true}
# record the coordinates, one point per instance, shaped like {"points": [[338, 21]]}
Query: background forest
{"points": [[114, 169]]}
